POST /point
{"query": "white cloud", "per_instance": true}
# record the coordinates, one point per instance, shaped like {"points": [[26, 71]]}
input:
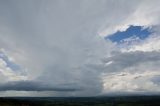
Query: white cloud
{"points": [[152, 43], [144, 13], [7, 73], [130, 82], [59, 43]]}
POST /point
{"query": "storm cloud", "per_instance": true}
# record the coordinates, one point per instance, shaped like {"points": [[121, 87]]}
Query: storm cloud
{"points": [[60, 46], [35, 86]]}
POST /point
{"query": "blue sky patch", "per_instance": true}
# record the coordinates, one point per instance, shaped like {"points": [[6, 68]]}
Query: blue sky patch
{"points": [[137, 31]]}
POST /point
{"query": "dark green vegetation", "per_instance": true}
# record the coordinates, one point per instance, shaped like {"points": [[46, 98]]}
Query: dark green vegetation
{"points": [[83, 101]]}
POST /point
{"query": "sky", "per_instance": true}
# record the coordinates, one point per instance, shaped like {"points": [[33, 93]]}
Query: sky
{"points": [[56, 48], [130, 32]]}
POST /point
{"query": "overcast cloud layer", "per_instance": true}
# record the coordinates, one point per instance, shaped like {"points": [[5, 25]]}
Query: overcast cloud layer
{"points": [[57, 47]]}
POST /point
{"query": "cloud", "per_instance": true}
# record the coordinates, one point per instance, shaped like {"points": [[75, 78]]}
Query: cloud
{"points": [[148, 45], [61, 42], [34, 86], [56, 42], [9, 70], [144, 13], [131, 82], [132, 72], [122, 60]]}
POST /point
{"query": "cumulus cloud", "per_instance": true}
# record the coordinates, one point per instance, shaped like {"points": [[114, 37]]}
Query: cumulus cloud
{"points": [[148, 45], [54, 41], [143, 13], [61, 43], [131, 82]]}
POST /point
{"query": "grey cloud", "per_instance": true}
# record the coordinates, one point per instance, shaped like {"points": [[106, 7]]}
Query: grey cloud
{"points": [[58, 42], [85, 78], [121, 61], [156, 79], [36, 86]]}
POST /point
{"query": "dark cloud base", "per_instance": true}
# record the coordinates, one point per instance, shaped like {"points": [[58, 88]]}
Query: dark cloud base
{"points": [[34, 86]]}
